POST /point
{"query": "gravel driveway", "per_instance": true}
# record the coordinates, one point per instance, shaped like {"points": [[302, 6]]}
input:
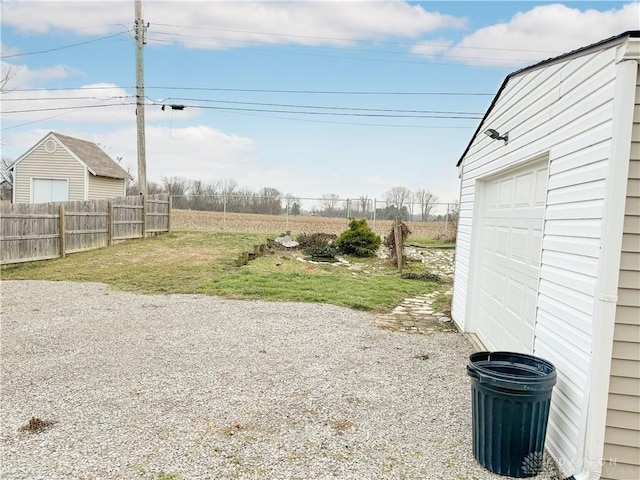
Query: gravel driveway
{"points": [[192, 387]]}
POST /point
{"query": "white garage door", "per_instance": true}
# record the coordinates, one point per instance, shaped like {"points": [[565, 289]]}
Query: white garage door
{"points": [[510, 240], [47, 190]]}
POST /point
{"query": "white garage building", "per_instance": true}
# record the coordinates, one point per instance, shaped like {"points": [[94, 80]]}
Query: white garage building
{"points": [[548, 250]]}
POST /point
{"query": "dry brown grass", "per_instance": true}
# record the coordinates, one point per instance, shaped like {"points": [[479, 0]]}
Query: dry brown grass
{"points": [[247, 222]]}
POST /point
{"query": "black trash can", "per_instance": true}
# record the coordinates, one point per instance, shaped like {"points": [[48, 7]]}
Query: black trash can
{"points": [[511, 395]]}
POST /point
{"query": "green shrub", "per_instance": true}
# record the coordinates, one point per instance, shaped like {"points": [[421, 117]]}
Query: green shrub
{"points": [[320, 252], [318, 246], [359, 240]]}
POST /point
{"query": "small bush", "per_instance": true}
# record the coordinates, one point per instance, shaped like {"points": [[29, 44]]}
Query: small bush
{"points": [[426, 276], [317, 239], [320, 252], [318, 246], [359, 240]]}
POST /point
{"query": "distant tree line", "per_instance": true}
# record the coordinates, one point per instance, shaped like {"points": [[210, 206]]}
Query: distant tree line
{"points": [[227, 195]]}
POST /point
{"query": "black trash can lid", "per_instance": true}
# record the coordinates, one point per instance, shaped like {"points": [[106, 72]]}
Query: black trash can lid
{"points": [[512, 371]]}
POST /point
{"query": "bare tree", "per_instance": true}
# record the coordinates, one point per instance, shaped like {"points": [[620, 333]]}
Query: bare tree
{"points": [[197, 195], [290, 201], [397, 197], [364, 205], [270, 201], [5, 77], [6, 179], [329, 203], [177, 188], [453, 214], [426, 200]]}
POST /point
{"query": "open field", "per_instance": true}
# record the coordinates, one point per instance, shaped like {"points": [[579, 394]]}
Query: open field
{"points": [[247, 222]]}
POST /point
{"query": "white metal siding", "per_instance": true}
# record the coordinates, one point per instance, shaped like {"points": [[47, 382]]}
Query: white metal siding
{"points": [[56, 165], [565, 110], [103, 187]]}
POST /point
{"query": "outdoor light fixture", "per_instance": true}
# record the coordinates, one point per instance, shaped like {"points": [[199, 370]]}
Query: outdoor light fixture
{"points": [[496, 136]]}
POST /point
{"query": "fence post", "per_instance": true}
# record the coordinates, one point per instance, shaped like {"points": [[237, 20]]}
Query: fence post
{"points": [[224, 211], [397, 232], [373, 215], [144, 217], [62, 227], [286, 222], [109, 222], [446, 221], [170, 207]]}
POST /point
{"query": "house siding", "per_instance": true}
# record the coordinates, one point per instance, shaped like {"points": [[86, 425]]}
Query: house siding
{"points": [[622, 441], [41, 164], [563, 110], [103, 187]]}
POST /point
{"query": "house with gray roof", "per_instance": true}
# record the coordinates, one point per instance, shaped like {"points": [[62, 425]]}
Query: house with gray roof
{"points": [[60, 168]]}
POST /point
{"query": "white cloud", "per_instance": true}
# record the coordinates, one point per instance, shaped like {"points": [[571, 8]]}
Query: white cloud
{"points": [[229, 24], [198, 152], [21, 76], [542, 32], [86, 17], [6, 50], [431, 47]]}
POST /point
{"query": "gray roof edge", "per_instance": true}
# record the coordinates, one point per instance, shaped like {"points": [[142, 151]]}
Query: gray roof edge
{"points": [[92, 168], [611, 40]]}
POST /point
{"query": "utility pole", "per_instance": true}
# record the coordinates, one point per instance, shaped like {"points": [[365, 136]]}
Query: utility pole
{"points": [[140, 30]]}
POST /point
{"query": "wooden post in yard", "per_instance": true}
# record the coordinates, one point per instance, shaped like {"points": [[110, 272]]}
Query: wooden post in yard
{"points": [[109, 222], [397, 231], [169, 215], [62, 227], [144, 217]]}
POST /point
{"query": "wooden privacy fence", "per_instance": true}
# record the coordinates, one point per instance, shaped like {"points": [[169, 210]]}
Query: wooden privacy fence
{"points": [[30, 232]]}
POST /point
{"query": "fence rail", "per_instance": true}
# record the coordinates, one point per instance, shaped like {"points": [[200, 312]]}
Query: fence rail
{"points": [[30, 232]]}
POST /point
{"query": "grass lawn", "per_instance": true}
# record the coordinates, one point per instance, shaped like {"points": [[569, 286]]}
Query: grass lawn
{"points": [[204, 262]]}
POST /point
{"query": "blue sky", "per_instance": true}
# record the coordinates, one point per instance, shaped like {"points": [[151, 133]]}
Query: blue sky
{"points": [[311, 98]]}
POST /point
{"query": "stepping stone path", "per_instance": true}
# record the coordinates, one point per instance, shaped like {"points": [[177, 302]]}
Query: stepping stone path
{"points": [[415, 315]]}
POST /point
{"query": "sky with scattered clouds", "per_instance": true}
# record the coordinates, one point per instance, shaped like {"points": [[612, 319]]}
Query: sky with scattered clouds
{"points": [[332, 97]]}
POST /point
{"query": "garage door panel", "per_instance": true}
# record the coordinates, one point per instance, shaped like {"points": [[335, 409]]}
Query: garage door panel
{"points": [[510, 243], [507, 192]]}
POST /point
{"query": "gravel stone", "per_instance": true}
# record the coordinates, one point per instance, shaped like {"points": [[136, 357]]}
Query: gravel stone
{"points": [[197, 387]]}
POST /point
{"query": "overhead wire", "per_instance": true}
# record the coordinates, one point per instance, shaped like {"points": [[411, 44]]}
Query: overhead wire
{"points": [[259, 90], [300, 112], [347, 39], [62, 47], [320, 107], [241, 43], [76, 107]]}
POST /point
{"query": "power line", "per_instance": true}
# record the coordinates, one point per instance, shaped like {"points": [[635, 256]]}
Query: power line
{"points": [[344, 57], [64, 89], [261, 90], [382, 115], [78, 107], [320, 92], [240, 43], [66, 98], [347, 39], [61, 47], [333, 122], [322, 107]]}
